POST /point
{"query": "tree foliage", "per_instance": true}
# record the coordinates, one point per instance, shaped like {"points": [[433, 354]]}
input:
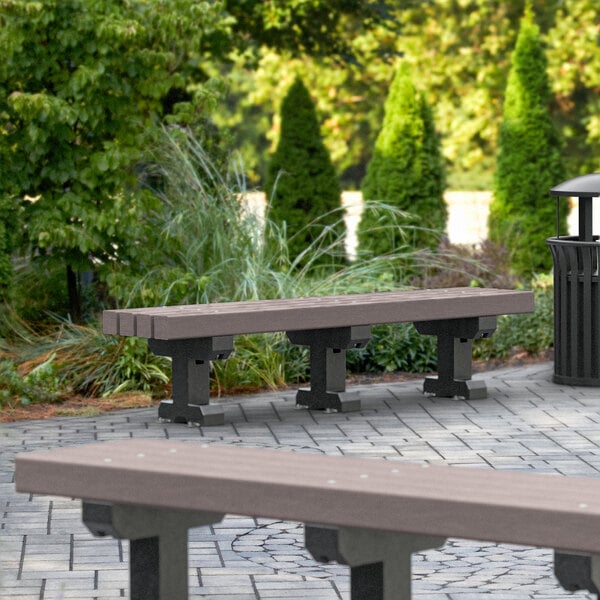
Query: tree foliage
{"points": [[464, 47], [529, 158], [406, 171], [302, 186], [349, 97], [82, 84], [306, 27], [574, 70], [9, 225]]}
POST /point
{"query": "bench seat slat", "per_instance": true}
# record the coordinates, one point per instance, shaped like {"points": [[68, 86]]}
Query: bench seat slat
{"points": [[293, 314], [520, 508]]}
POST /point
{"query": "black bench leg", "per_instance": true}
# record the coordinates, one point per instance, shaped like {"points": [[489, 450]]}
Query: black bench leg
{"points": [[379, 561], [191, 378], [328, 366], [144, 565], [577, 572], [454, 348], [158, 557]]}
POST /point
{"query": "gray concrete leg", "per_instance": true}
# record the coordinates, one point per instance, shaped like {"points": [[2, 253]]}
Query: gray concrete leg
{"points": [[191, 378], [328, 366], [158, 544], [454, 349], [379, 561], [576, 571]]}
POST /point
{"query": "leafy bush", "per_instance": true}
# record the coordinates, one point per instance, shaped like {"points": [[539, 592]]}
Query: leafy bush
{"points": [[530, 332], [395, 347], [41, 384], [39, 290]]}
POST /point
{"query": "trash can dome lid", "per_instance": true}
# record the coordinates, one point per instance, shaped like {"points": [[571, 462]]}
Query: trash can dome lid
{"points": [[586, 186]]}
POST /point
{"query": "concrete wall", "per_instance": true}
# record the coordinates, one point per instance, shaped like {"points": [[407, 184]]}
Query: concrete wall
{"points": [[467, 215]]}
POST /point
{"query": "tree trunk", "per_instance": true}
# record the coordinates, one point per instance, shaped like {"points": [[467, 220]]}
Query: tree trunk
{"points": [[74, 289]]}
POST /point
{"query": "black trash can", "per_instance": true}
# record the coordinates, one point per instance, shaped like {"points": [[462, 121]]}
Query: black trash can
{"points": [[577, 289]]}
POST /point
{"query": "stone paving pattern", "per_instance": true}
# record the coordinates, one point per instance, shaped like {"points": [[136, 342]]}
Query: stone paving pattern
{"points": [[527, 423]]}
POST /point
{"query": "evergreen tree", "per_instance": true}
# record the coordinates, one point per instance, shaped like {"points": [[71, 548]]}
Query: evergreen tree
{"points": [[302, 186], [406, 172], [529, 161]]}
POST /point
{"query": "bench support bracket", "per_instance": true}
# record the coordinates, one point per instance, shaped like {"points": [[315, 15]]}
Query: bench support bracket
{"points": [[191, 378], [454, 355], [158, 544], [379, 561], [576, 571], [328, 366]]}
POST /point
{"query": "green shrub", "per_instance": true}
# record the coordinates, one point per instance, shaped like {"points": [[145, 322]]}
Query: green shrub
{"points": [[395, 347], [201, 245], [529, 159], [103, 366], [406, 171], [399, 347], [529, 332], [301, 185], [42, 384]]}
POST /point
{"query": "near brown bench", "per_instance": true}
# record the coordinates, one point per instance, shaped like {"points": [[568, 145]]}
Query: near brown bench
{"points": [[193, 335], [370, 514]]}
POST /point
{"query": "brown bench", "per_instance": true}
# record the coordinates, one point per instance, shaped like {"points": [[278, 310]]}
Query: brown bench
{"points": [[370, 514], [194, 335]]}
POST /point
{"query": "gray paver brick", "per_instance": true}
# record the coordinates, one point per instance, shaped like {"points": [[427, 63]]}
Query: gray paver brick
{"points": [[527, 423]]}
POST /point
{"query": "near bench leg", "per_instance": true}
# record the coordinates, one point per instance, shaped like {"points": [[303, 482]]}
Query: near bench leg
{"points": [[191, 378], [158, 561], [144, 562], [577, 572], [379, 561], [454, 349], [328, 366]]}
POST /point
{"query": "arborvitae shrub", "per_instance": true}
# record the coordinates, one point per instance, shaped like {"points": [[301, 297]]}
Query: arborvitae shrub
{"points": [[302, 186], [529, 161], [407, 172]]}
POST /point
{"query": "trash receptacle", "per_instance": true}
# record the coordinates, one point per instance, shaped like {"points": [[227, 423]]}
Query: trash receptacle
{"points": [[577, 289]]}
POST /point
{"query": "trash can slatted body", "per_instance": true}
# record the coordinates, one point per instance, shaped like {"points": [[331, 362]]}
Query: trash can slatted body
{"points": [[576, 310], [577, 289]]}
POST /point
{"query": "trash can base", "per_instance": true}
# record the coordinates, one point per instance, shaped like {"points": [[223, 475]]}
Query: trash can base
{"points": [[584, 381]]}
